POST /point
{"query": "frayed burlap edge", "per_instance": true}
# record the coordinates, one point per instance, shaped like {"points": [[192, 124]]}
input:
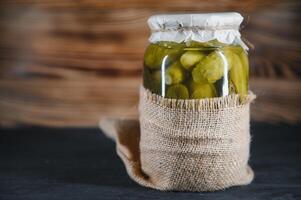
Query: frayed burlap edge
{"points": [[229, 101]]}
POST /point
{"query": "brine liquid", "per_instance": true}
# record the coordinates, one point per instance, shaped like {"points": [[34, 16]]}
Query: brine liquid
{"points": [[197, 71]]}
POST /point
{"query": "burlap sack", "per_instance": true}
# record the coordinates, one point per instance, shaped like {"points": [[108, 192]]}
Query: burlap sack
{"points": [[185, 145]]}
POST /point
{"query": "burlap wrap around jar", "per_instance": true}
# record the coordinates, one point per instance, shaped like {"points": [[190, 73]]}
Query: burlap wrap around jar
{"points": [[193, 132], [186, 145]]}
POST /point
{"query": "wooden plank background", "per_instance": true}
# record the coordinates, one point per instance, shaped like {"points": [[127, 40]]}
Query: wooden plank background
{"points": [[69, 63]]}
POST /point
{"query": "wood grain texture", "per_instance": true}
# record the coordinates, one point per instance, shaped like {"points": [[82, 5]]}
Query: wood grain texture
{"points": [[69, 63]]}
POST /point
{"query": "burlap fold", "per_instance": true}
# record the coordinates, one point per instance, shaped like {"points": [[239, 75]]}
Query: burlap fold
{"points": [[185, 145]]}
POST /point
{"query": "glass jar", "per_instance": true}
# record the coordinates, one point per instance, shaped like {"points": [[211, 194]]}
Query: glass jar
{"points": [[193, 68]]}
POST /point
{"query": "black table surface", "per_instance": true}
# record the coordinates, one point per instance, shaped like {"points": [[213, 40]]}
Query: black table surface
{"points": [[44, 163]]}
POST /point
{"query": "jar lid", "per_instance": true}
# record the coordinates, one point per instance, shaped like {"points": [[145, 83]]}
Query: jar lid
{"points": [[214, 21], [204, 27]]}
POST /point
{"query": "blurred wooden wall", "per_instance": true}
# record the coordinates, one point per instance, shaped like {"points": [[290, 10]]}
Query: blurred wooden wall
{"points": [[68, 63]]}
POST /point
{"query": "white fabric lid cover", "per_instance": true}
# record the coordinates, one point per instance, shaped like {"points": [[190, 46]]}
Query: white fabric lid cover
{"points": [[223, 27]]}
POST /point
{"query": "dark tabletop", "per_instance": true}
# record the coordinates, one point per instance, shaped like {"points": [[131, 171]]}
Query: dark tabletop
{"points": [[42, 163]]}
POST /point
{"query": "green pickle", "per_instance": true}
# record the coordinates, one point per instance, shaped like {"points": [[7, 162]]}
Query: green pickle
{"points": [[201, 90], [239, 69], [195, 70], [240, 52], [238, 77], [155, 54], [152, 80], [177, 91], [229, 58], [245, 63], [210, 69], [190, 58], [175, 74]]}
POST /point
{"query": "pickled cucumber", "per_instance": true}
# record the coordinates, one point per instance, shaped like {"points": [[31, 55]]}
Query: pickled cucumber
{"points": [[229, 58], [210, 69], [153, 56], [190, 58], [242, 54], [238, 76], [178, 91], [152, 80], [241, 72], [195, 70], [245, 63], [200, 90], [155, 53], [175, 74]]}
